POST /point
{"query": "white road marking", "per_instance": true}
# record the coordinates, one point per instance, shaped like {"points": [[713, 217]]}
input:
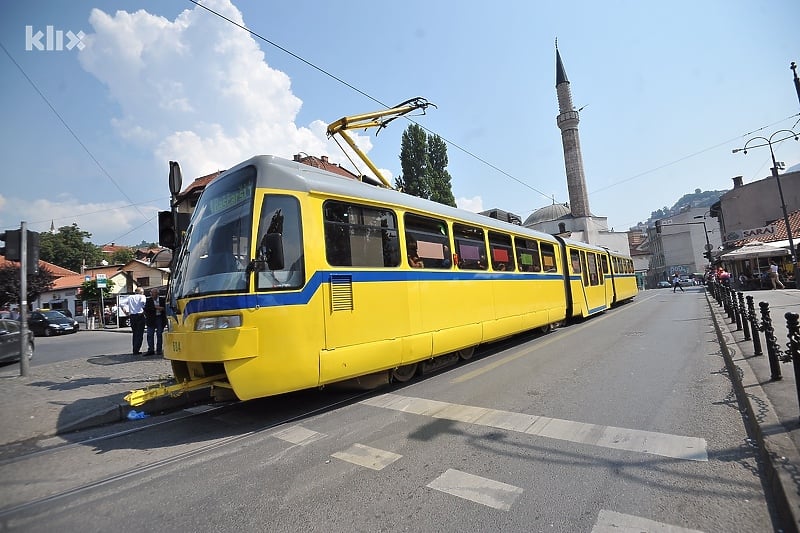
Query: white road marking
{"points": [[477, 489], [362, 455], [634, 440], [611, 522], [298, 435]]}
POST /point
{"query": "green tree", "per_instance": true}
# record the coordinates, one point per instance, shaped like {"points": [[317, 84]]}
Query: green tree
{"points": [[122, 256], [10, 283], [423, 161], [91, 292], [69, 248], [413, 162], [437, 175]]}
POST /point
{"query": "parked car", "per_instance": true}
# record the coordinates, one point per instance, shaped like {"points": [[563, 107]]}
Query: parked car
{"points": [[49, 323], [663, 284], [9, 341]]}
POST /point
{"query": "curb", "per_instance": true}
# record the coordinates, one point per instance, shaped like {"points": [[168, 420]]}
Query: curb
{"points": [[119, 412], [777, 452]]}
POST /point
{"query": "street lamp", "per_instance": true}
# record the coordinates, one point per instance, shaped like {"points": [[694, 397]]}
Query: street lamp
{"points": [[777, 178]]}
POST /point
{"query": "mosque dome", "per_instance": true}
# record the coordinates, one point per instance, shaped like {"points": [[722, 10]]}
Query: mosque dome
{"points": [[547, 214]]}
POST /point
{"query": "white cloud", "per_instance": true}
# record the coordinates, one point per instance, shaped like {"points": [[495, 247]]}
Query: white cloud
{"points": [[474, 204], [106, 221], [198, 90]]}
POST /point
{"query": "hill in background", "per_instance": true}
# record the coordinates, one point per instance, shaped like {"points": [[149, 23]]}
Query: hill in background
{"points": [[698, 198]]}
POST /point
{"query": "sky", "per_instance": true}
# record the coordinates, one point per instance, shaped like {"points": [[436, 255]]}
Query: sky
{"points": [[666, 90]]}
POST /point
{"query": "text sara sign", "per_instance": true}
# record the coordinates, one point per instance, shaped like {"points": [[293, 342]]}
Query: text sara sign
{"points": [[765, 231]]}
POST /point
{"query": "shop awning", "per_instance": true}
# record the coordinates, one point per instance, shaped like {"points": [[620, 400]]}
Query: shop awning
{"points": [[755, 249]]}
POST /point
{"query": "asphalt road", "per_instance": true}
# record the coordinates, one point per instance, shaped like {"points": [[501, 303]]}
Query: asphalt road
{"points": [[627, 420], [83, 344]]}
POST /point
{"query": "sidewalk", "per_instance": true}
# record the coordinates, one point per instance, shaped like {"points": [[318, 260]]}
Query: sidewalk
{"points": [[67, 396], [771, 408]]}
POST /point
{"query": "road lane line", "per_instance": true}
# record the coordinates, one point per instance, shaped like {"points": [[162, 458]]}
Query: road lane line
{"points": [[612, 522], [361, 455], [477, 489], [299, 435], [633, 440]]}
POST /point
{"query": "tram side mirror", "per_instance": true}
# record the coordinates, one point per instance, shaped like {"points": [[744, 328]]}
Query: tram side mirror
{"points": [[270, 251]]}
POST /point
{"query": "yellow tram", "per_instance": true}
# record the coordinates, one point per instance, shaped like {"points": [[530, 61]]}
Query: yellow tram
{"points": [[291, 277]]}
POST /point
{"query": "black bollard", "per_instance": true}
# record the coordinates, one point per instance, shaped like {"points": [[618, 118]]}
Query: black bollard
{"points": [[773, 350], [726, 301], [730, 303], [743, 314], [717, 293], [793, 326], [737, 316], [751, 314]]}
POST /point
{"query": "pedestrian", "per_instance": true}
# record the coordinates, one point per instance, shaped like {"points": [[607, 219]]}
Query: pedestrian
{"points": [[90, 315], [134, 307], [676, 283], [155, 318], [773, 276]]}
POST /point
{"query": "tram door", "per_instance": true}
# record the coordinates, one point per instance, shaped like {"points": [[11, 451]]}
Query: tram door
{"points": [[587, 283], [593, 283]]}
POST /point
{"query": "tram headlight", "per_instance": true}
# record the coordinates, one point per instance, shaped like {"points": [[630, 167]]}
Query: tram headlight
{"points": [[218, 322]]}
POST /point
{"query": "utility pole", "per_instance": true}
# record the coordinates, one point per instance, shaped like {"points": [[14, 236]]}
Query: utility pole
{"points": [[24, 364], [793, 68]]}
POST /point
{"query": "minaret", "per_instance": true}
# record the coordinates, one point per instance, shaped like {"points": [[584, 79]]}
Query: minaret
{"points": [[573, 161]]}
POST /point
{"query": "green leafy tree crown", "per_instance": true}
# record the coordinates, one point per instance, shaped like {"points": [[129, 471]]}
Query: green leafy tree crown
{"points": [[69, 248]]}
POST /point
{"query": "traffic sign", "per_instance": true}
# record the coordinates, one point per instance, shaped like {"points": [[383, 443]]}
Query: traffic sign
{"points": [[101, 281]]}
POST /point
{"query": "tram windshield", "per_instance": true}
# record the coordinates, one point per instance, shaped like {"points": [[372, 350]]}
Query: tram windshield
{"points": [[216, 253]]}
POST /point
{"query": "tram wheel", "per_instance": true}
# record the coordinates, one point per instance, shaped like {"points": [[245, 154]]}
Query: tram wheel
{"points": [[404, 373], [467, 353]]}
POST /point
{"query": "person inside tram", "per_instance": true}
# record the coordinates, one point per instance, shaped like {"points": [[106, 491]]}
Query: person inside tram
{"points": [[413, 257]]}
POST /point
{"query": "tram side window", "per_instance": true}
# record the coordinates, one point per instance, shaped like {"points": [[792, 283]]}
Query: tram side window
{"points": [[604, 260], [432, 241], [528, 255], [549, 257], [470, 247], [280, 215], [591, 263], [575, 261], [584, 269], [360, 236], [501, 252]]}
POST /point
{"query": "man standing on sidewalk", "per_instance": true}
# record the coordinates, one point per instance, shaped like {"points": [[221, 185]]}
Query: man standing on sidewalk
{"points": [[156, 319], [134, 307]]}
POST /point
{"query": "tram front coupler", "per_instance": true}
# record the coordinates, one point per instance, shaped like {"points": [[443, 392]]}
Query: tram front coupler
{"points": [[138, 397]]}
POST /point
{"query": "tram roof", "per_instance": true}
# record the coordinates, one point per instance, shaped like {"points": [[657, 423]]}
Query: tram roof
{"points": [[279, 173]]}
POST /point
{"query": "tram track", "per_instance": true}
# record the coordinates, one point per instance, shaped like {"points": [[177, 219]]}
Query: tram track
{"points": [[11, 511]]}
